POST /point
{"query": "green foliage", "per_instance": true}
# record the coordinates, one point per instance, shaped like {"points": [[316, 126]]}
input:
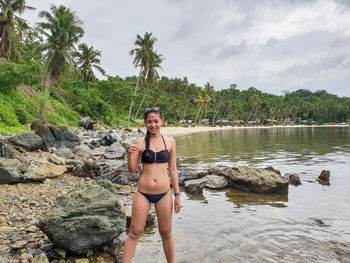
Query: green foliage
{"points": [[12, 75]]}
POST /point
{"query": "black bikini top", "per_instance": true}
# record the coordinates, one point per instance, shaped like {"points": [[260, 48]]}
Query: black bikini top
{"points": [[149, 156]]}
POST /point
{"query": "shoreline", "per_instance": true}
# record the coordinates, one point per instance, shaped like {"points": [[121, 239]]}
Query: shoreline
{"points": [[180, 131]]}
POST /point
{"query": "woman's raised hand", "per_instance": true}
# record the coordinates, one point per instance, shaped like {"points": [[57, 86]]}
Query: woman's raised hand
{"points": [[135, 148]]}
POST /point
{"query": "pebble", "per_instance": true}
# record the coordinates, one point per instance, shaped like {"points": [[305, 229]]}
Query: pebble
{"points": [[31, 229], [82, 260], [19, 244]]}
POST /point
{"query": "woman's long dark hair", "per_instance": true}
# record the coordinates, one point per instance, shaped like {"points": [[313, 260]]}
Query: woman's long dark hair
{"points": [[148, 111]]}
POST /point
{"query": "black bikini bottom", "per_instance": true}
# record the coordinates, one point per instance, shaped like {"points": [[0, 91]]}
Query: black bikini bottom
{"points": [[154, 198]]}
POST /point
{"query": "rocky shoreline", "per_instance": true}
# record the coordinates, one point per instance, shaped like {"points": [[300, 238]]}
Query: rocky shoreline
{"points": [[47, 163]]}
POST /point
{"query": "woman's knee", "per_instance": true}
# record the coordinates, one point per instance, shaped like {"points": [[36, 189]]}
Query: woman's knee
{"points": [[165, 234], [135, 233]]}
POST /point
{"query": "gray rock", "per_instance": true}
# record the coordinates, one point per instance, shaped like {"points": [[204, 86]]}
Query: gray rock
{"points": [[9, 175], [56, 159], [115, 170], [116, 150], [294, 178], [85, 123], [35, 174], [127, 142], [184, 175], [99, 150], [27, 140], [324, 176], [85, 218], [5, 151], [82, 150], [108, 140], [64, 152], [195, 186], [53, 136], [216, 182], [258, 180]]}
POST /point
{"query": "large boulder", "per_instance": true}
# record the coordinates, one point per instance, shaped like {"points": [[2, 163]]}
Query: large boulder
{"points": [[115, 151], [53, 136], [216, 182], [5, 151], [27, 140], [195, 186], [9, 175], [85, 218], [184, 175], [258, 180], [51, 170]]}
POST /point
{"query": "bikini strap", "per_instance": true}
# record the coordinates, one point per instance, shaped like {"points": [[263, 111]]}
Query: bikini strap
{"points": [[164, 142]]}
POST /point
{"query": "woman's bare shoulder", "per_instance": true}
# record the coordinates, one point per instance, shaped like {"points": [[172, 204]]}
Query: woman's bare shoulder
{"points": [[169, 139]]}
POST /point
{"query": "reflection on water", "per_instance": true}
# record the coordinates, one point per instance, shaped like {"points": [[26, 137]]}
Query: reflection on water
{"points": [[310, 224], [242, 199]]}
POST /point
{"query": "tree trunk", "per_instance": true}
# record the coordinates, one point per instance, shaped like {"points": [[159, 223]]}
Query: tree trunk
{"points": [[143, 98], [132, 100], [184, 115], [195, 120], [216, 110]]}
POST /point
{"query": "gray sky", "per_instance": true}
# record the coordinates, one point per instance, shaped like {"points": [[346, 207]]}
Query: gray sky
{"points": [[272, 45]]}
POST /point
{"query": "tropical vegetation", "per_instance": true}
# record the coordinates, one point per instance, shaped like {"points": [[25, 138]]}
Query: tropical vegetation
{"points": [[46, 73]]}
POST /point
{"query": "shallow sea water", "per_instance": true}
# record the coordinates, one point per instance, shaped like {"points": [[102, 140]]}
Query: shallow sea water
{"points": [[310, 224]]}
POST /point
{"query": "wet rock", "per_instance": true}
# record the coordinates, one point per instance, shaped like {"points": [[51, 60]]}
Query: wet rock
{"points": [[324, 176], [294, 178], [53, 136], [216, 182], [82, 150], [85, 218], [27, 140], [270, 168], [5, 151], [195, 186], [184, 175], [258, 180], [56, 159], [200, 175], [9, 175], [41, 258], [64, 152], [115, 151], [150, 220], [34, 175]]}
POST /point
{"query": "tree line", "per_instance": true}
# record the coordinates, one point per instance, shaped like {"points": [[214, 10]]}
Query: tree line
{"points": [[52, 52]]}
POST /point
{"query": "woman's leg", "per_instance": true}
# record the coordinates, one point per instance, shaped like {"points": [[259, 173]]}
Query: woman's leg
{"points": [[164, 209], [140, 209]]}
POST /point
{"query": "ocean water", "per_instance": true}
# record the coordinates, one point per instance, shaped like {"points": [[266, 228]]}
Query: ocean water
{"points": [[309, 224]]}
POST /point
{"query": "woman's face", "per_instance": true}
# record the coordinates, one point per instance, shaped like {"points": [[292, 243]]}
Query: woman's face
{"points": [[153, 122]]}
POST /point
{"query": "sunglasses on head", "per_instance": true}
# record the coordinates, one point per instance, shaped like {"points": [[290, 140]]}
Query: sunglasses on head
{"points": [[155, 109]]}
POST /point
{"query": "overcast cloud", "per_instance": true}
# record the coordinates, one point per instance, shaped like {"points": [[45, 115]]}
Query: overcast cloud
{"points": [[271, 45]]}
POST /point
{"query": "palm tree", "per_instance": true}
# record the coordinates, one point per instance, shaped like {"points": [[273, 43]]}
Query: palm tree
{"points": [[153, 62], [202, 100], [8, 36], [142, 52], [87, 59], [62, 29]]}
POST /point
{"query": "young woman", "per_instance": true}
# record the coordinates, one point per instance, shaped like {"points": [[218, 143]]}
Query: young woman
{"points": [[157, 153]]}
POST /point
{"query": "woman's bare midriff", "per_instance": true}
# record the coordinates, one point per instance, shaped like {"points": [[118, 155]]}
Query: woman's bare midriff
{"points": [[154, 178]]}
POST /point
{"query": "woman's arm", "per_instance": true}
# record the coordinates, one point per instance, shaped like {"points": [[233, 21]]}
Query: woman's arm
{"points": [[174, 176], [134, 155]]}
